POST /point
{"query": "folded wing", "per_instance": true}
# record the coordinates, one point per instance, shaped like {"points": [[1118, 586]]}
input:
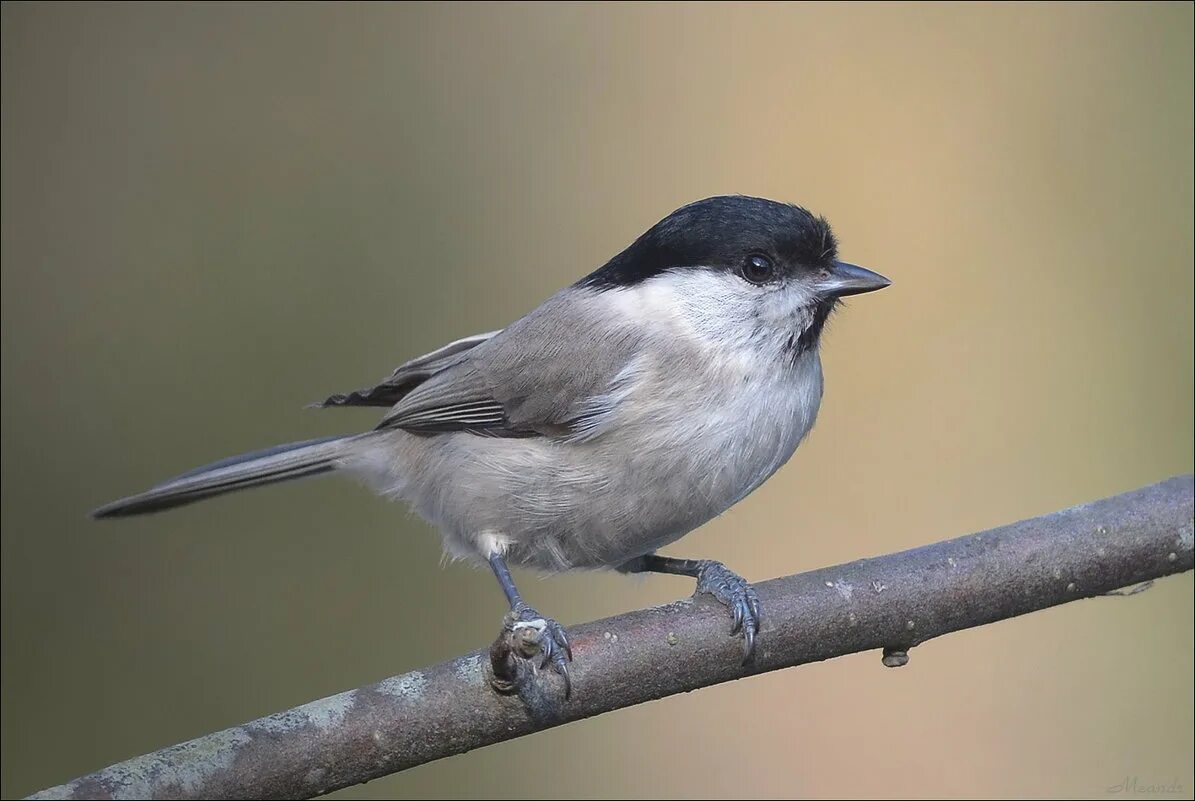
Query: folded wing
{"points": [[407, 376], [542, 376]]}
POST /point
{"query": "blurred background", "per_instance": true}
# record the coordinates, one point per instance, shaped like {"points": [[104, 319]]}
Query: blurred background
{"points": [[215, 214]]}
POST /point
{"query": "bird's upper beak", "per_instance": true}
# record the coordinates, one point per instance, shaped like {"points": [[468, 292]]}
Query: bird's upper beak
{"points": [[851, 279]]}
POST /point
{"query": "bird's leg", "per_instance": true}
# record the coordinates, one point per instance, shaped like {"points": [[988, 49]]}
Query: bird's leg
{"points": [[532, 627], [716, 579]]}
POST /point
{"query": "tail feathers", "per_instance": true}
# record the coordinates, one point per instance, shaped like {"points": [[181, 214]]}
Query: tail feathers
{"points": [[256, 469]]}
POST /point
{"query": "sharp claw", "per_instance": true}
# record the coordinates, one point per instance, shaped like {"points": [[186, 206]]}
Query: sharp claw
{"points": [[568, 680], [562, 654], [738, 596]]}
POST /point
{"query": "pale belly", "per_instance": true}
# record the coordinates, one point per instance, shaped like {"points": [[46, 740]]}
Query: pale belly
{"points": [[556, 505]]}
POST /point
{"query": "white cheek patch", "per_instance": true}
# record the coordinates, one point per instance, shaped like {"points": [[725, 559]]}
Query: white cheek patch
{"points": [[717, 310], [706, 305], [793, 297], [788, 309]]}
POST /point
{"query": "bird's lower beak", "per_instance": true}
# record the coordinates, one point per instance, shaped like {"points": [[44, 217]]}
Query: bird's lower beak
{"points": [[851, 279]]}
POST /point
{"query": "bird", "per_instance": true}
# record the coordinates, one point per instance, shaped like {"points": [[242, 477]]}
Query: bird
{"points": [[622, 413]]}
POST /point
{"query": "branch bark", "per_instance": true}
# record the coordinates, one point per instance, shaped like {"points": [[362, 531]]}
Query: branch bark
{"points": [[891, 603]]}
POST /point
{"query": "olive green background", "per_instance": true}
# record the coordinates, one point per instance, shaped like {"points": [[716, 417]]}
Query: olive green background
{"points": [[213, 215]]}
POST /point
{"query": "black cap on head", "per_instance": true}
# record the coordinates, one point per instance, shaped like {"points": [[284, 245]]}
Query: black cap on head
{"points": [[718, 233]]}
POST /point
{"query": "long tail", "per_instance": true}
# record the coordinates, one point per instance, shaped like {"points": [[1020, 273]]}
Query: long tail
{"points": [[256, 469]]}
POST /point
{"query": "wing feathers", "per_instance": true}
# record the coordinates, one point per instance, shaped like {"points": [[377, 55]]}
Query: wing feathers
{"points": [[406, 376], [457, 398], [561, 371]]}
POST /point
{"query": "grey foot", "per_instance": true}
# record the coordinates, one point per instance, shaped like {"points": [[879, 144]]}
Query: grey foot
{"points": [[545, 636], [736, 594]]}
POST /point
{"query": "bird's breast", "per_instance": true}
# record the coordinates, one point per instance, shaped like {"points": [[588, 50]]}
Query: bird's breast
{"points": [[696, 442]]}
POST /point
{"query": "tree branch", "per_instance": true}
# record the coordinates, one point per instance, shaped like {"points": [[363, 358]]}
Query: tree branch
{"points": [[892, 603]]}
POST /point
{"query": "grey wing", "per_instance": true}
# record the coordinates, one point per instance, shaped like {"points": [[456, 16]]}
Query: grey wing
{"points": [[549, 374], [407, 376]]}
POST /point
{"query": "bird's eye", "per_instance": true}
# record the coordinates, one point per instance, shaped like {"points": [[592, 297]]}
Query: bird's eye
{"points": [[758, 269]]}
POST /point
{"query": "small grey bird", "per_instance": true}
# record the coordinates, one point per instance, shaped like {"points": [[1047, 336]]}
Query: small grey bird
{"points": [[624, 412]]}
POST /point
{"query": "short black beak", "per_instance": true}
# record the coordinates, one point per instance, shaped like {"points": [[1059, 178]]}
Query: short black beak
{"points": [[851, 279]]}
